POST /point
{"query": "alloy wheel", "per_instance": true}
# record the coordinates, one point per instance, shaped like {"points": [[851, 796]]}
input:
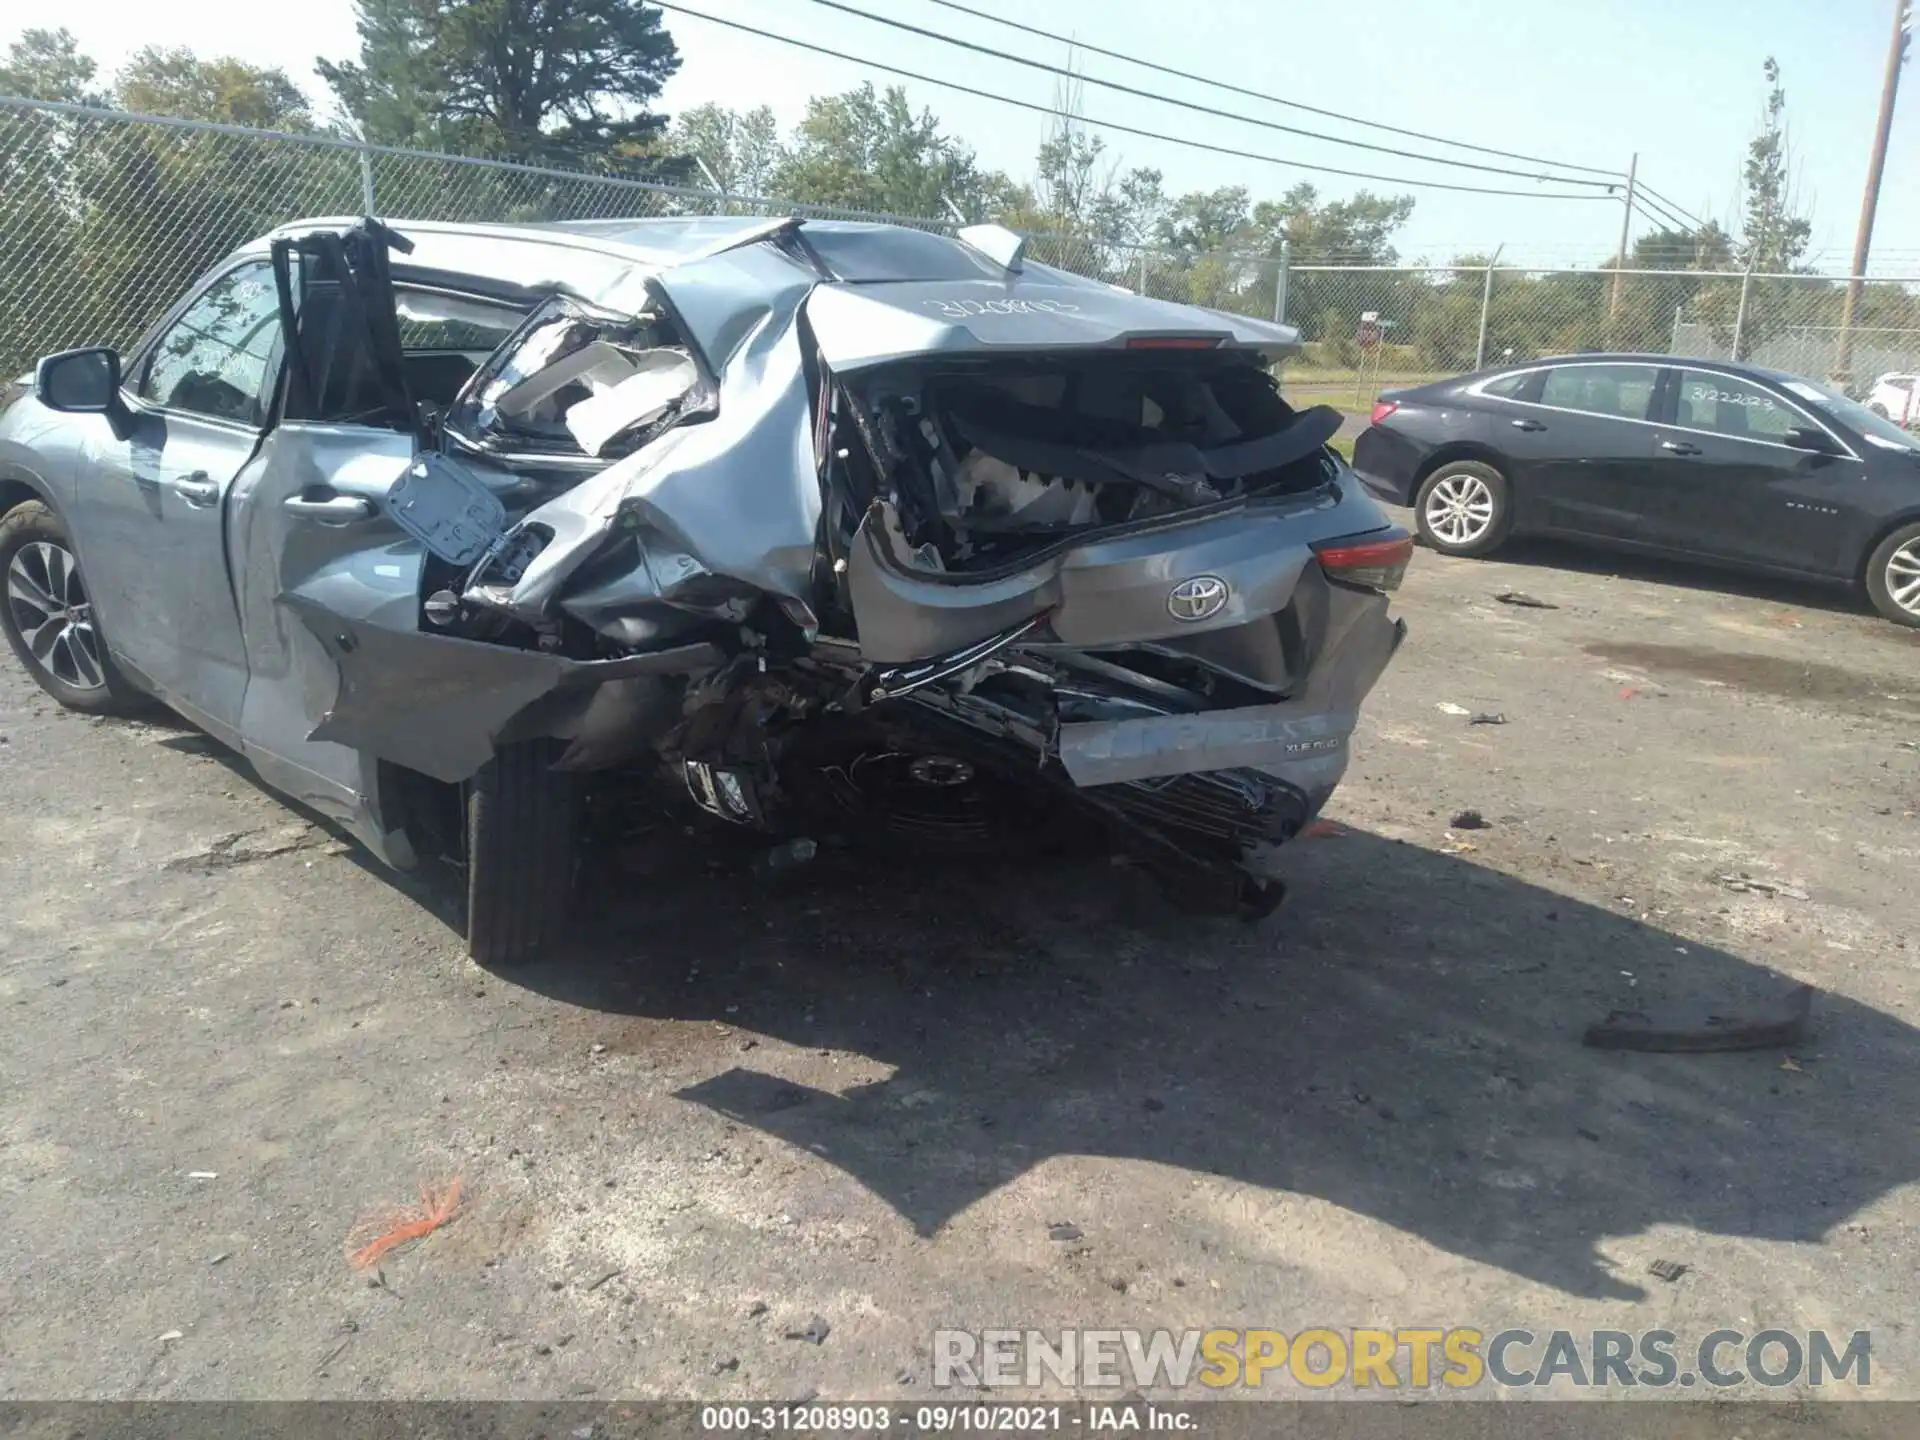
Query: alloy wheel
{"points": [[1460, 509], [49, 607], [1903, 576]]}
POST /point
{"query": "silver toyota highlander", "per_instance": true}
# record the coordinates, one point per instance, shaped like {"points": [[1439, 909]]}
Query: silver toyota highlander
{"points": [[450, 528]]}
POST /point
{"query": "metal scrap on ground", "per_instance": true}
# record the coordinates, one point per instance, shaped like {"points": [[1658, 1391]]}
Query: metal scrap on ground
{"points": [[1524, 600]]}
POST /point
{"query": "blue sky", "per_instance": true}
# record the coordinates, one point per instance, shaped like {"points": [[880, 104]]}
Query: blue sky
{"points": [[1589, 83]]}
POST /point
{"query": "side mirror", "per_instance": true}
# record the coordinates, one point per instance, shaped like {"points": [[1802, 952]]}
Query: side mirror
{"points": [[79, 382], [1808, 437]]}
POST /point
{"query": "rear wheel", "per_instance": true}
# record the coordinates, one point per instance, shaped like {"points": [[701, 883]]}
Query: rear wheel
{"points": [[522, 847], [1893, 576], [1464, 508], [48, 616]]}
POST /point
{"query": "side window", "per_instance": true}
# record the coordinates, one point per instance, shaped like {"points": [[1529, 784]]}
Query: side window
{"points": [[1733, 407], [213, 360], [1625, 391], [1507, 386]]}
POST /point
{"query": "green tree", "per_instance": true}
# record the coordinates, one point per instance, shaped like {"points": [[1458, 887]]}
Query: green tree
{"points": [[1355, 231], [158, 81], [868, 150], [1773, 235], [739, 148], [48, 65], [528, 79]]}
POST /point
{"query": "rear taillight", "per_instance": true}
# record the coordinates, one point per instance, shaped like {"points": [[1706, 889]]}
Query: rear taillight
{"points": [[1373, 562], [1382, 409]]}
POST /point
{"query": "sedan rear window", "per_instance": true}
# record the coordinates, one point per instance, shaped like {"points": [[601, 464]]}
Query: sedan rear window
{"points": [[1625, 391]]}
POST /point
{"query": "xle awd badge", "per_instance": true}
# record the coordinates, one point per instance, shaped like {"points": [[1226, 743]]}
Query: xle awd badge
{"points": [[1198, 598]]}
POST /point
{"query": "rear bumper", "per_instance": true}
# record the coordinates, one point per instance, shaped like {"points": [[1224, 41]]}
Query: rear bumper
{"points": [[1302, 740], [1386, 463]]}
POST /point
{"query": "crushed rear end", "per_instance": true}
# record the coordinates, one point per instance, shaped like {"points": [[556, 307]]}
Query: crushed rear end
{"points": [[946, 554]]}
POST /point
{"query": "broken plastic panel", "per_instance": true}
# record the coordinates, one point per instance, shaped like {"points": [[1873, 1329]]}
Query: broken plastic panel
{"points": [[446, 507], [655, 379]]}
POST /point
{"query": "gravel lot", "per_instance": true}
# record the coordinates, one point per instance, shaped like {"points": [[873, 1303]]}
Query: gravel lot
{"points": [[867, 1097]]}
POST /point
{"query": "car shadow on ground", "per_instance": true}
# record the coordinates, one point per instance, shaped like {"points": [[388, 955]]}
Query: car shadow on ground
{"points": [[1542, 553], [1402, 1039]]}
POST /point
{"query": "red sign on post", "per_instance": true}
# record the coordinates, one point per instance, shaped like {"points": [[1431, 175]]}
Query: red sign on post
{"points": [[1370, 329]]}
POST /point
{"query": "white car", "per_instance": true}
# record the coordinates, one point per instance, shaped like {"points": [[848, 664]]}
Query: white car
{"points": [[1897, 398]]}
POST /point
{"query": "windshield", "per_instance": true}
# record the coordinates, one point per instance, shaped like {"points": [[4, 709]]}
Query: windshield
{"points": [[1875, 429]]}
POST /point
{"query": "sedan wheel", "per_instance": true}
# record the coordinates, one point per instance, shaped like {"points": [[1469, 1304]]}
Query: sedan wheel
{"points": [[49, 605], [48, 615], [1893, 576], [1462, 508]]}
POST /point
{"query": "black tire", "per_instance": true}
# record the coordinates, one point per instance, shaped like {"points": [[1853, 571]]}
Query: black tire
{"points": [[522, 849], [78, 672], [1879, 582], [1454, 472]]}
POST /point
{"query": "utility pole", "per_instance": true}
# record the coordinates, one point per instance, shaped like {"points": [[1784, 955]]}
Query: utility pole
{"points": [[1626, 221], [1876, 164]]}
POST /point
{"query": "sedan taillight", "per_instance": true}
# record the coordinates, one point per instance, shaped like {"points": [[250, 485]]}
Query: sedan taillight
{"points": [[1383, 408], [1374, 562]]}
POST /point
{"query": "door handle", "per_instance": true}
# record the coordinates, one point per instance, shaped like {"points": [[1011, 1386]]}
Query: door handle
{"points": [[1680, 447], [1526, 425], [197, 489], [335, 510]]}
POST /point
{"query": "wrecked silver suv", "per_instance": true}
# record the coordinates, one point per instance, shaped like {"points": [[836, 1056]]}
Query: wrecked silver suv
{"points": [[448, 527]]}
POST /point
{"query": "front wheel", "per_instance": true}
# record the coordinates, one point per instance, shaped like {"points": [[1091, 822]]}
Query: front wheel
{"points": [[1464, 508], [1893, 576], [48, 616], [522, 848]]}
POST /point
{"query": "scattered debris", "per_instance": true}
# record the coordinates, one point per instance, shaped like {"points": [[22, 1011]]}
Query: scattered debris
{"points": [[1692, 1029], [203, 1175], [903, 1376], [814, 1332], [788, 855], [1747, 883], [1792, 1066], [1153, 1104], [1323, 830], [1447, 707], [726, 1364], [1469, 820], [1524, 600], [598, 1281], [1667, 1270], [1063, 1231], [596, 1048], [221, 1258], [173, 1335], [1487, 717], [756, 1309], [1629, 693], [377, 1236]]}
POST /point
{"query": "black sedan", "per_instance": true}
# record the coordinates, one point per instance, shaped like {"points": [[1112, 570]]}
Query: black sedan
{"points": [[1725, 463]]}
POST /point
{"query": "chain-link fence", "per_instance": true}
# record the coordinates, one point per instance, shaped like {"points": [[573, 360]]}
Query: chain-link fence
{"points": [[105, 218], [1366, 330]]}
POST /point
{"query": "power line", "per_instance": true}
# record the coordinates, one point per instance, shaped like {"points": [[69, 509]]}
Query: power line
{"points": [[1195, 106], [1116, 126], [1655, 211], [1272, 99], [1674, 206]]}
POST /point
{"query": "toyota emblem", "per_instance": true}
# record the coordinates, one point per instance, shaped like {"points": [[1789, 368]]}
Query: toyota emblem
{"points": [[1199, 598]]}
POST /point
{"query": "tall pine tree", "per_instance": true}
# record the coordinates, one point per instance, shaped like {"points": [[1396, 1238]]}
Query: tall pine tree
{"points": [[558, 81]]}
